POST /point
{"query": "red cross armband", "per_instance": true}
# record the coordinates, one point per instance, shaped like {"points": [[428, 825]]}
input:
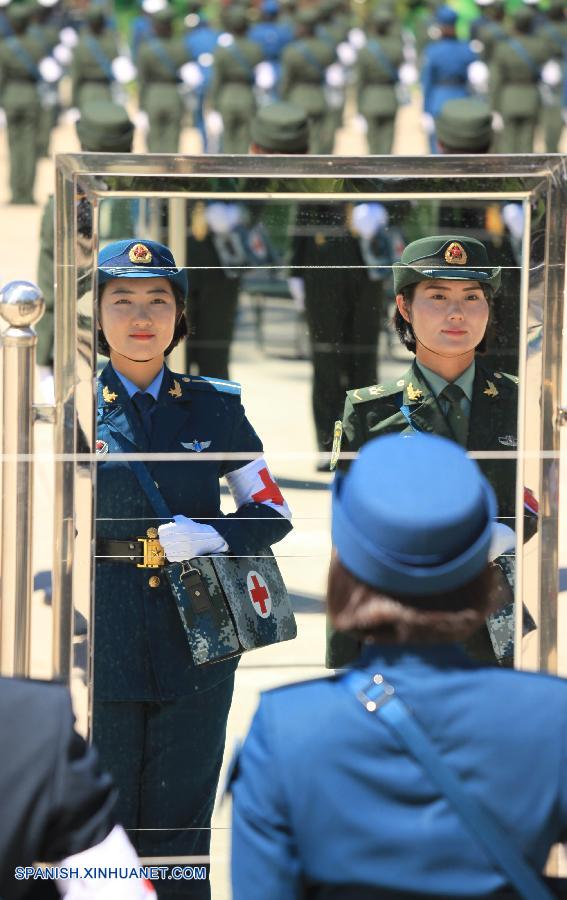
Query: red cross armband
{"points": [[254, 483]]}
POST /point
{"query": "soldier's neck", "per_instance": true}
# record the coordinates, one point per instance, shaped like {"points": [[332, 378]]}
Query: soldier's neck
{"points": [[448, 367], [139, 372]]}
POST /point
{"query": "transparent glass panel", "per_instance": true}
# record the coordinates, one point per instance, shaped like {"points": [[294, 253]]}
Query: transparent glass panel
{"points": [[291, 295]]}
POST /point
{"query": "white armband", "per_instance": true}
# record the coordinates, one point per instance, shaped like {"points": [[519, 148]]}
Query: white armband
{"points": [[253, 483]]}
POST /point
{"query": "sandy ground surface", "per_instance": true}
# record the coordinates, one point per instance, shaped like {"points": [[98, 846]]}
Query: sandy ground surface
{"points": [[278, 403]]}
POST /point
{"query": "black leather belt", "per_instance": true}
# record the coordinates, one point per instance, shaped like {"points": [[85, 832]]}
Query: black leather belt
{"points": [[146, 552]]}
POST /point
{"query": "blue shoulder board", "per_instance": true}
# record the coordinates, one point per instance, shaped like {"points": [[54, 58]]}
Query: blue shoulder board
{"points": [[200, 383]]}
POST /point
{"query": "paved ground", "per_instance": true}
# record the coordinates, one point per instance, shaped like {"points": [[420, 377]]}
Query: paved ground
{"points": [[277, 392]]}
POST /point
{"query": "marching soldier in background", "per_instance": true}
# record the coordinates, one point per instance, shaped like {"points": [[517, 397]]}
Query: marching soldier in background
{"points": [[200, 42], [159, 60], [232, 88], [103, 127], [553, 30], [489, 29], [45, 32], [304, 67], [19, 97], [271, 37], [444, 74], [377, 75], [515, 72], [91, 68]]}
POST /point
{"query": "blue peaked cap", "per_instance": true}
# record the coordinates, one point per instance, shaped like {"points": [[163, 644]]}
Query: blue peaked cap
{"points": [[446, 16], [140, 258], [413, 515]]}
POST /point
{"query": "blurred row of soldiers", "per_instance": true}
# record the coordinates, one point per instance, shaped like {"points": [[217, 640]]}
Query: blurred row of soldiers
{"points": [[309, 56]]}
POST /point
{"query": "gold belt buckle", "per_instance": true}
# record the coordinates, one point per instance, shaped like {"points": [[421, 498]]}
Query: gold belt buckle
{"points": [[154, 554]]}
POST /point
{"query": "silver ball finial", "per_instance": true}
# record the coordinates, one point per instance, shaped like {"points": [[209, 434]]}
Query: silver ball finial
{"points": [[21, 303]]}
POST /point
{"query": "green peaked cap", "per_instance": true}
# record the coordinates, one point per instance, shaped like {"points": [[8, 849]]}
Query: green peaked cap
{"points": [[281, 128], [452, 256], [464, 124], [104, 127]]}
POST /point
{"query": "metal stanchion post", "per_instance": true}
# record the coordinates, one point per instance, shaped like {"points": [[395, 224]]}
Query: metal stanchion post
{"points": [[21, 305]]}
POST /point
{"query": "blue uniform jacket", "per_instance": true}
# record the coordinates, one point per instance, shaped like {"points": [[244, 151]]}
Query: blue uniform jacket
{"points": [[141, 652], [444, 73], [271, 37], [323, 791]]}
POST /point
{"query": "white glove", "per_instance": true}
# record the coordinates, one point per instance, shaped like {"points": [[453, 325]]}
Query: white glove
{"points": [[551, 73], [335, 76], [69, 37], [357, 38], [408, 74], [191, 75], [63, 54], [123, 69], [183, 539], [497, 121], [428, 123], [368, 218], [141, 121], [114, 851], [478, 75], [70, 116], [265, 76], [297, 290], [503, 540], [346, 54], [213, 121], [49, 69]]}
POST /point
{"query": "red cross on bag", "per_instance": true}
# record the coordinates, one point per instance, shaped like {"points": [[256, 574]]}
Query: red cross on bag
{"points": [[259, 594]]}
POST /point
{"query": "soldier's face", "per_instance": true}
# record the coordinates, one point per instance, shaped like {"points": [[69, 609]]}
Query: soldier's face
{"points": [[448, 317], [138, 316]]}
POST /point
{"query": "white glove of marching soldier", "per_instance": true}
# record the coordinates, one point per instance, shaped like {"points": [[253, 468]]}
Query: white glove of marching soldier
{"points": [[184, 538]]}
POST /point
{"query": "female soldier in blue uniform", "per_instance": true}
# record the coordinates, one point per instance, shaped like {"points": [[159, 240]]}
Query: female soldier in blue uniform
{"points": [[159, 721]]}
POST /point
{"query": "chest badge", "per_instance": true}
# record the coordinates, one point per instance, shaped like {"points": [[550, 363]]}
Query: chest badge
{"points": [[197, 446], [107, 395], [101, 448], [414, 393], [175, 391], [491, 390]]}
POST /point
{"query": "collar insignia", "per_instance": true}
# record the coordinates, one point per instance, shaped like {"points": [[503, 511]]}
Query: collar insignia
{"points": [[455, 254], [491, 391], [107, 395], [140, 255], [175, 391], [336, 451], [414, 393], [197, 446], [101, 447]]}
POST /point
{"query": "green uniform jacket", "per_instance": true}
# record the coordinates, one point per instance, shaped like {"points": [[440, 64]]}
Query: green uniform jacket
{"points": [[303, 74], [377, 410], [376, 79], [233, 76], [46, 284], [18, 81], [92, 69], [159, 60], [513, 81]]}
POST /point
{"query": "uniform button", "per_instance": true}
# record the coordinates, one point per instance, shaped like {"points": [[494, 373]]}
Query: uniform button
{"points": [[152, 533], [154, 581]]}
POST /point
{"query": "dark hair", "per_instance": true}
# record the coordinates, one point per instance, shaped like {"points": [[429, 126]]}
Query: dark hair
{"points": [[443, 618], [405, 330], [179, 332], [264, 151]]}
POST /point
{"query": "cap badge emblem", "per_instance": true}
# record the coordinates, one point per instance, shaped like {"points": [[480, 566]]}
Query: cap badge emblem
{"points": [[107, 395], [491, 390], [414, 393], [175, 391], [140, 255], [455, 254]]}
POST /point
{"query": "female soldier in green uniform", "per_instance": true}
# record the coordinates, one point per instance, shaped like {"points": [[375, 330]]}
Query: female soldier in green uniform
{"points": [[444, 287], [160, 721]]}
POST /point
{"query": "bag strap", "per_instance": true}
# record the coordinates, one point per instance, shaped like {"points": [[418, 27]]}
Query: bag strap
{"points": [[526, 57], [244, 64], [100, 56], [148, 486], [310, 58], [164, 59], [380, 57], [378, 696], [23, 56]]}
